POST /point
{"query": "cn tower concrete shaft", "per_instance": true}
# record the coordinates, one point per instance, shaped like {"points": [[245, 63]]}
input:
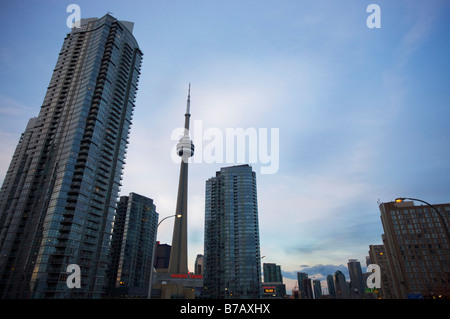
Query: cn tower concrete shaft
{"points": [[185, 148]]}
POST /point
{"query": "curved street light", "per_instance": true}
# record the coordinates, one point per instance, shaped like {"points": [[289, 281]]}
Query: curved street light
{"points": [[401, 199], [176, 215], [153, 254]]}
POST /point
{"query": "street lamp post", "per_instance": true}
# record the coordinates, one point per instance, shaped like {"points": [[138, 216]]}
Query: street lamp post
{"points": [[153, 254]]}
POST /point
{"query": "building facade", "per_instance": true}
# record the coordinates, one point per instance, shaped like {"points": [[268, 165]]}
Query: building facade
{"points": [[58, 199], [304, 286], [198, 265], [273, 286], [357, 282], [417, 248], [340, 285], [232, 260], [317, 289], [272, 272], [330, 285], [378, 256], [132, 244], [162, 256]]}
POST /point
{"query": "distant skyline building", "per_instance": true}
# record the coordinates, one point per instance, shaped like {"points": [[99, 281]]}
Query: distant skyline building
{"points": [[198, 265], [307, 288], [304, 286], [58, 199], [417, 248], [162, 256], [340, 285], [357, 282], [273, 286], [317, 288], [132, 244], [231, 243], [272, 272], [378, 256], [330, 285]]}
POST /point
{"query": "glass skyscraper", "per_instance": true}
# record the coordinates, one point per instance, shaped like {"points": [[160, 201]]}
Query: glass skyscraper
{"points": [[330, 285], [59, 195], [356, 278], [272, 273], [232, 261], [340, 285], [304, 285], [132, 244]]}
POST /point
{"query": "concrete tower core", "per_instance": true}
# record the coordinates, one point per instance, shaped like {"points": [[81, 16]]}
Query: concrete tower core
{"points": [[185, 148]]}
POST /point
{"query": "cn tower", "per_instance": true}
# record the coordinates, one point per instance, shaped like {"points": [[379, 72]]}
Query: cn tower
{"points": [[185, 148]]}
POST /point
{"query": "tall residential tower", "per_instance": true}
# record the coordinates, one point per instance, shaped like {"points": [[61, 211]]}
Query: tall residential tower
{"points": [[132, 245], [59, 195], [357, 282], [417, 246], [232, 261]]}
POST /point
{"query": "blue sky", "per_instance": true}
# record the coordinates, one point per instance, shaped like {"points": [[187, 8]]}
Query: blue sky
{"points": [[362, 113]]}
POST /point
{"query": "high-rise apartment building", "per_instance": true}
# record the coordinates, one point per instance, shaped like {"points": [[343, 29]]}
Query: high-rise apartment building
{"points": [[59, 195], [317, 289], [416, 241], [232, 250], [162, 256], [340, 285], [198, 265], [272, 272], [330, 285], [304, 286], [273, 286], [132, 244], [378, 256], [307, 286], [357, 282]]}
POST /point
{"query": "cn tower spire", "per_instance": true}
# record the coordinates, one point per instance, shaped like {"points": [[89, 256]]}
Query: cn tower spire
{"points": [[188, 104], [185, 149], [188, 111]]}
